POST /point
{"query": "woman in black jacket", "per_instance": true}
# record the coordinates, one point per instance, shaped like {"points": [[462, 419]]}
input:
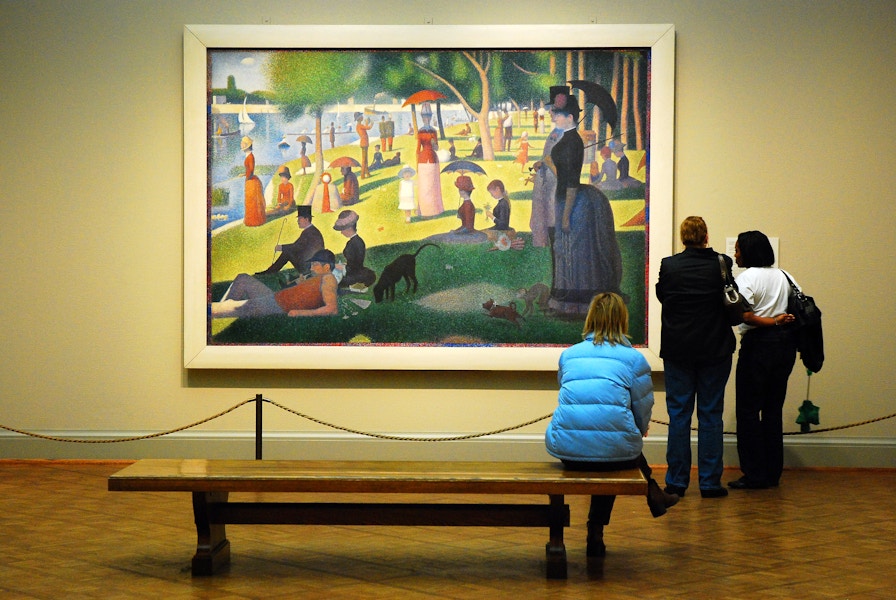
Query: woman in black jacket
{"points": [[696, 345]]}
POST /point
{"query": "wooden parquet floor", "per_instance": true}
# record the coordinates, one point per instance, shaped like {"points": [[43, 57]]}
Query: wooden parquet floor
{"points": [[822, 534]]}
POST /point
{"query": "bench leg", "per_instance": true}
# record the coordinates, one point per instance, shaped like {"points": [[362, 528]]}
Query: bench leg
{"points": [[555, 548], [212, 547]]}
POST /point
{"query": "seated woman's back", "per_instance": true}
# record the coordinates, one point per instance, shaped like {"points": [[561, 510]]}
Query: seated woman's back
{"points": [[604, 404]]}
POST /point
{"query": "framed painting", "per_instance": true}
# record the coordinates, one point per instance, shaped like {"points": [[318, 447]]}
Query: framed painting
{"points": [[387, 197]]}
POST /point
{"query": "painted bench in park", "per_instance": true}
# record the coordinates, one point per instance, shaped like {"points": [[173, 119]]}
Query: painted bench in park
{"points": [[211, 481]]}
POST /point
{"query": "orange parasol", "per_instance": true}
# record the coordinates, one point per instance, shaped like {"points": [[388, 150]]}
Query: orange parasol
{"points": [[344, 161], [424, 96]]}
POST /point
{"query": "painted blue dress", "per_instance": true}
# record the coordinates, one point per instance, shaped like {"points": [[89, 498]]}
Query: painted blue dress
{"points": [[587, 259]]}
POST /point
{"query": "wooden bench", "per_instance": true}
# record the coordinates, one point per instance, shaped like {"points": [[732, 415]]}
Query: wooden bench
{"points": [[210, 482]]}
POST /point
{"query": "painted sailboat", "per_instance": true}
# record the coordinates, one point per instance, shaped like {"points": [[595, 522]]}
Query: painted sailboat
{"points": [[246, 122]]}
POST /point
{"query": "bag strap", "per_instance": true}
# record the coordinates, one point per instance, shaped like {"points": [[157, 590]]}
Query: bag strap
{"points": [[793, 287], [724, 268]]}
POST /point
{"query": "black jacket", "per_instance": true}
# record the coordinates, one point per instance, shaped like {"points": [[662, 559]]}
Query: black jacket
{"points": [[695, 331]]}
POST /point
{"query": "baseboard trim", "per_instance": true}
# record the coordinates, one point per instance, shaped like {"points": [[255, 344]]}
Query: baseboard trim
{"points": [[799, 451]]}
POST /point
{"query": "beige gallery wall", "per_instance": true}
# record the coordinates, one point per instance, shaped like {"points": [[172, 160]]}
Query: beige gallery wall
{"points": [[783, 124]]}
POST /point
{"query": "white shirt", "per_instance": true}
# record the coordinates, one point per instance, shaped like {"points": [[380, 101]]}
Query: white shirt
{"points": [[766, 289]]}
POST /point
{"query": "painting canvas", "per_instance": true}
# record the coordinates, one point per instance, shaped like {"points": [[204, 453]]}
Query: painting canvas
{"points": [[373, 206]]}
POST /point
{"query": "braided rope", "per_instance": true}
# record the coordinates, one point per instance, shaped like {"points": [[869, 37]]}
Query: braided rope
{"points": [[374, 435], [408, 438], [837, 428], [128, 439]]}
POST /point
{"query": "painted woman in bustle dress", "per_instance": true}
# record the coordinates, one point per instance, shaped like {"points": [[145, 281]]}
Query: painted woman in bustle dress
{"points": [[587, 259], [254, 192], [429, 183]]}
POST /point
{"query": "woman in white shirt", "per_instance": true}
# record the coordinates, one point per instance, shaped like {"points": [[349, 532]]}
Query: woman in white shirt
{"points": [[766, 358]]}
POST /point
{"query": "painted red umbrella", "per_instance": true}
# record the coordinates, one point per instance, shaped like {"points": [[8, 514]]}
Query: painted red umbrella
{"points": [[427, 96], [424, 96], [344, 161]]}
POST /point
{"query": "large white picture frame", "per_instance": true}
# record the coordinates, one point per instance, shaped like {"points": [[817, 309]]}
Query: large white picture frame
{"points": [[199, 39]]}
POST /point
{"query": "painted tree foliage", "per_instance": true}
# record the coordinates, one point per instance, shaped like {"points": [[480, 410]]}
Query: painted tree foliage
{"points": [[307, 82], [479, 80]]}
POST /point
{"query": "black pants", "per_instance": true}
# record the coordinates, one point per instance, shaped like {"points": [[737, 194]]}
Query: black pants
{"points": [[764, 364], [602, 506]]}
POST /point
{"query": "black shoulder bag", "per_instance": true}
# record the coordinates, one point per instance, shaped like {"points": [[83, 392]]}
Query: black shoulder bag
{"points": [[807, 326], [735, 305]]}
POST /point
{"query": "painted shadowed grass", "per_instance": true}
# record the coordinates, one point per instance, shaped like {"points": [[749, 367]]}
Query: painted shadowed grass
{"points": [[454, 281]]}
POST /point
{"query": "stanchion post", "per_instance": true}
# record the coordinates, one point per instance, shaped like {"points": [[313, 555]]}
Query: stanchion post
{"points": [[258, 426]]}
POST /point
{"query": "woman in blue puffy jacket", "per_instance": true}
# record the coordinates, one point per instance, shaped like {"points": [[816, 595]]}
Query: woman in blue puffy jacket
{"points": [[605, 402]]}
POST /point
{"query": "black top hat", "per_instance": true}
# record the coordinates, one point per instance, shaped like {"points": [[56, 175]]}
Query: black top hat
{"points": [[303, 210], [563, 101], [558, 89]]}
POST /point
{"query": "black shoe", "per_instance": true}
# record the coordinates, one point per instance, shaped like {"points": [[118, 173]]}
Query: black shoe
{"points": [[718, 492], [658, 500], [674, 489], [745, 484], [595, 541]]}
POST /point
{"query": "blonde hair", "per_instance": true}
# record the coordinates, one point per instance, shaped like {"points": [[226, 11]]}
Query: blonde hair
{"points": [[607, 319], [693, 231]]}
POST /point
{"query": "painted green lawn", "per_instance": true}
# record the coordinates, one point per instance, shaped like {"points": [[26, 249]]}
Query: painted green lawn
{"points": [[455, 279]]}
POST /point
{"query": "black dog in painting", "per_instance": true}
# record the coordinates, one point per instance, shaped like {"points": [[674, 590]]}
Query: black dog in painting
{"points": [[403, 267]]}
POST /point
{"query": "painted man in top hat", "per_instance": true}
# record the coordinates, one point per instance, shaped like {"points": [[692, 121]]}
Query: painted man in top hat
{"points": [[309, 242]]}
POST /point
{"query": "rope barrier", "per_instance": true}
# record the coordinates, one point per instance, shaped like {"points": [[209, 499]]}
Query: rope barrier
{"points": [[371, 434], [837, 428], [128, 439], [411, 438]]}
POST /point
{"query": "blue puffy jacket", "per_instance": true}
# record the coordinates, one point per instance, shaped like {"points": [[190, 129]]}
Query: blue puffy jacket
{"points": [[605, 402]]}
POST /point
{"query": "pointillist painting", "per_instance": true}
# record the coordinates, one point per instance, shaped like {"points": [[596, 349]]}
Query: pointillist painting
{"points": [[425, 198]]}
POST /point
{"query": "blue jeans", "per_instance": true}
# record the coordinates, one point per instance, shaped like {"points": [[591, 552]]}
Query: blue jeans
{"points": [[703, 386]]}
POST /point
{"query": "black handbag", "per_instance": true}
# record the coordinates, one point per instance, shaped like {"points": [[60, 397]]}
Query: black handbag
{"points": [[807, 326], [734, 303]]}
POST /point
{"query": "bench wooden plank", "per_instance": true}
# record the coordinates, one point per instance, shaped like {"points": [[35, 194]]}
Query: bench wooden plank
{"points": [[415, 477], [211, 481]]}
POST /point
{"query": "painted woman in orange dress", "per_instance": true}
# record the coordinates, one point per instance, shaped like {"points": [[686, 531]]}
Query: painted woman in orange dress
{"points": [[286, 191], [522, 157], [254, 196], [429, 180]]}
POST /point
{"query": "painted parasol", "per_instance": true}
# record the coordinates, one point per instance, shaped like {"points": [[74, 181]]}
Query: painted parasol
{"points": [[344, 161], [600, 97], [464, 166], [426, 96]]}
